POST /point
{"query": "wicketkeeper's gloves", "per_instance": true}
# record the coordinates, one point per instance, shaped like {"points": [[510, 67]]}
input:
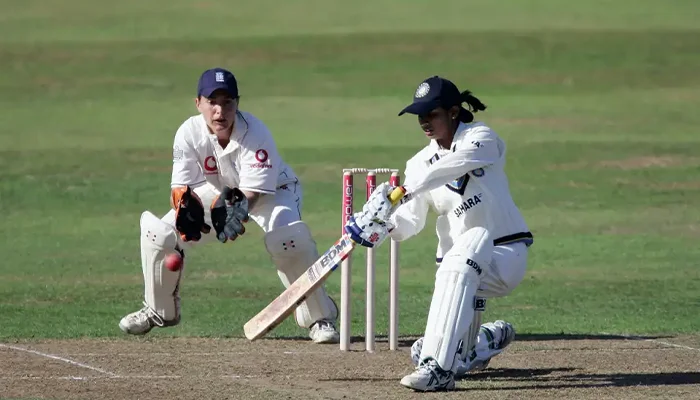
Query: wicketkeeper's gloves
{"points": [[189, 214], [228, 213]]}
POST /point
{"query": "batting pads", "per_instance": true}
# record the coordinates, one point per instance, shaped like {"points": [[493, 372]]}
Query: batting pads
{"points": [[158, 239], [293, 251], [452, 307]]}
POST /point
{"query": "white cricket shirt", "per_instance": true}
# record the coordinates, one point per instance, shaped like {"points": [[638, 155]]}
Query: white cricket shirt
{"points": [[478, 197], [249, 162]]}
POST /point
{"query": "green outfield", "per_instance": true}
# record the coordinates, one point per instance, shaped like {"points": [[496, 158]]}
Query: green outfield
{"points": [[597, 100]]}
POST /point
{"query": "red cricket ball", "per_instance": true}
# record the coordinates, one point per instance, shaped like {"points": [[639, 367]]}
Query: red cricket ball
{"points": [[173, 262]]}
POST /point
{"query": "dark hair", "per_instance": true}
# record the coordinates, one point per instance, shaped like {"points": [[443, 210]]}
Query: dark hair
{"points": [[474, 105]]}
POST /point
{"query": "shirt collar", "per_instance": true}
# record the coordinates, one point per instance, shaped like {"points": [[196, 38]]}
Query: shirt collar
{"points": [[240, 129]]}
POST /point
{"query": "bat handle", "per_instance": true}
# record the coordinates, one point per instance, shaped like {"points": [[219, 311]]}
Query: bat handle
{"points": [[396, 195]]}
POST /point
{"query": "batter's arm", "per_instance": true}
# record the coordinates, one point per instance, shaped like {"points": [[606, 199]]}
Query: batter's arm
{"points": [[481, 152], [409, 219]]}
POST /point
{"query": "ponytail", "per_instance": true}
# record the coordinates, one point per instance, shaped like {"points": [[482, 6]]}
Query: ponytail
{"points": [[474, 105]]}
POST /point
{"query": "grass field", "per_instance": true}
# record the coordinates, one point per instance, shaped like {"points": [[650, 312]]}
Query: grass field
{"points": [[597, 101]]}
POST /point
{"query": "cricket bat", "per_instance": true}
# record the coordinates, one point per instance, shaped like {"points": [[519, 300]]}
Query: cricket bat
{"points": [[285, 304]]}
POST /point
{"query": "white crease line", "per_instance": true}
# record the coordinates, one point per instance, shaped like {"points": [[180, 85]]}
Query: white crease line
{"points": [[85, 378], [679, 346], [66, 360], [158, 354], [41, 378]]}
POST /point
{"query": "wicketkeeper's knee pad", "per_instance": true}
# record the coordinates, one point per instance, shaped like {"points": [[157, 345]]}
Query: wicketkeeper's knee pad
{"points": [[158, 239], [293, 251]]}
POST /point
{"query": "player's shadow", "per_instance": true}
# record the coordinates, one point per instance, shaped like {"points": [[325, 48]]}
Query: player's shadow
{"points": [[541, 337], [515, 373], [509, 373], [505, 374], [540, 379], [406, 341]]}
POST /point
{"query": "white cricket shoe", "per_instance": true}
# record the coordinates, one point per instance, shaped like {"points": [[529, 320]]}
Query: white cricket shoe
{"points": [[323, 331], [142, 321], [507, 335], [463, 366], [429, 377]]}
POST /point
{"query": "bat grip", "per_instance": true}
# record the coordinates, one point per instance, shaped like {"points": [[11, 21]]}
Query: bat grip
{"points": [[396, 195]]}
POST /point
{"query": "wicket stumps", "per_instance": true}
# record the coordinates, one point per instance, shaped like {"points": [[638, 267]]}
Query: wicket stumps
{"points": [[346, 267]]}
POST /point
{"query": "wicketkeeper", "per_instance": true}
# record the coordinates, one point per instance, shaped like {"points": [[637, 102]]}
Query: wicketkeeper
{"points": [[226, 169]]}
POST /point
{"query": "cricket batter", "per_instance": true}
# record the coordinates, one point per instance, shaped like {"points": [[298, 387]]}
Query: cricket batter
{"points": [[226, 168], [482, 235]]}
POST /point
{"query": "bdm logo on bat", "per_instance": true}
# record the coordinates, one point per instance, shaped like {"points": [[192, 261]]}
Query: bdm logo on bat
{"points": [[331, 258], [338, 248]]}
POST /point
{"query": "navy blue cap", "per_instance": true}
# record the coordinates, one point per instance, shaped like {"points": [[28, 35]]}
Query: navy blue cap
{"points": [[432, 93], [215, 79]]}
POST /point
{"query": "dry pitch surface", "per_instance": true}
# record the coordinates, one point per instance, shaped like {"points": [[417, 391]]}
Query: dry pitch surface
{"points": [[535, 366]]}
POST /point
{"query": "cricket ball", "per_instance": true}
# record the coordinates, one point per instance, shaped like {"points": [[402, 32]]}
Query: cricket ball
{"points": [[173, 262]]}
